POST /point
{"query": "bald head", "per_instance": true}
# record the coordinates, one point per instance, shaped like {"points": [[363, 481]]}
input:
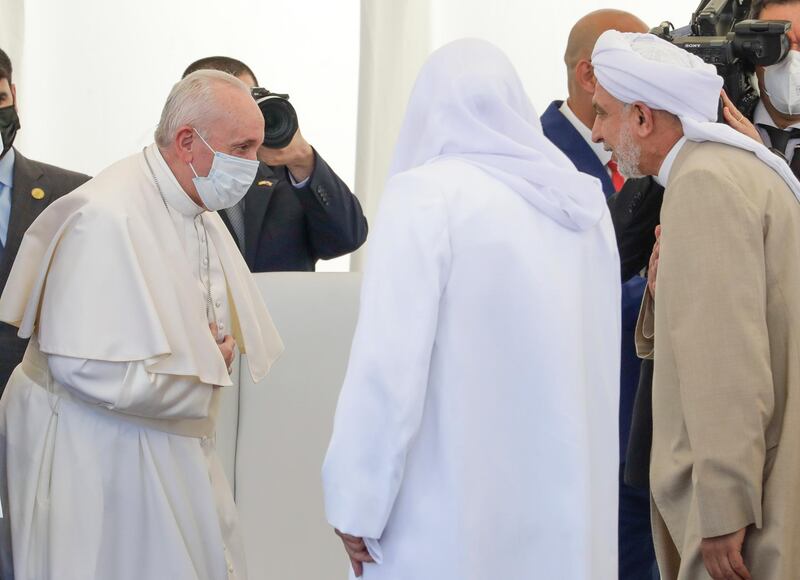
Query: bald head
{"points": [[580, 76], [588, 29]]}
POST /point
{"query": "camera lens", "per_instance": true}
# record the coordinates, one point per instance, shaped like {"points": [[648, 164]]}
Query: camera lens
{"points": [[280, 120]]}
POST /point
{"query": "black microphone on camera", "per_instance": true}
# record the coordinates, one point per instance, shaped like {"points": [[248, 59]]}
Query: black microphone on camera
{"points": [[280, 118]]}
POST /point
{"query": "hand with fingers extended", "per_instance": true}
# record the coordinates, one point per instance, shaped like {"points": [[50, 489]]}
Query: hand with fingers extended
{"points": [[357, 552], [723, 556], [652, 268], [736, 120], [226, 344]]}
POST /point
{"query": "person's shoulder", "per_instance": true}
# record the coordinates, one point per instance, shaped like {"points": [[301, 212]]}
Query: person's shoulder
{"points": [[553, 112], [112, 195], [711, 156], [61, 180], [732, 166], [445, 174]]}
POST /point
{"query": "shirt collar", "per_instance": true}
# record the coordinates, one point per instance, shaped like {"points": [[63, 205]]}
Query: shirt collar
{"points": [[7, 169], [585, 132], [172, 191], [666, 166]]}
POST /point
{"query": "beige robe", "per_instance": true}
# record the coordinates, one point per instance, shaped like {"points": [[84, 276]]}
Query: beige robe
{"points": [[726, 388]]}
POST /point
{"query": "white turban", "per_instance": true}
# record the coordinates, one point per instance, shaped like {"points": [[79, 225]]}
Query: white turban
{"points": [[643, 68]]}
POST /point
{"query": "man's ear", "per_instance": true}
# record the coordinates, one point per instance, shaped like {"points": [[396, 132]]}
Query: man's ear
{"points": [[14, 95], [584, 76], [643, 119], [184, 139]]}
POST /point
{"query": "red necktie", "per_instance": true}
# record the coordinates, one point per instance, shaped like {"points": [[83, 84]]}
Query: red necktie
{"points": [[616, 177]]}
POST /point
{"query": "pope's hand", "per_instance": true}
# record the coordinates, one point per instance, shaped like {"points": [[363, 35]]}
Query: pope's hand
{"points": [[226, 344], [297, 156], [357, 552]]}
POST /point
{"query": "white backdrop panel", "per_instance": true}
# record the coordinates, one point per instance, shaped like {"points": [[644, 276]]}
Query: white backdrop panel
{"points": [[285, 425]]}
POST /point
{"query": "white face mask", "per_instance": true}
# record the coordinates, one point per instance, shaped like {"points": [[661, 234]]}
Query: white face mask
{"points": [[782, 83], [228, 180]]}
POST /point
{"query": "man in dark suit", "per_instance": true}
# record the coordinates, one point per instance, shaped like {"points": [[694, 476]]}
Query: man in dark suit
{"points": [[298, 210], [568, 125], [26, 188]]}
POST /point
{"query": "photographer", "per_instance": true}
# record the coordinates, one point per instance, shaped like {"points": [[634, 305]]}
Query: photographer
{"points": [[298, 210], [776, 119]]}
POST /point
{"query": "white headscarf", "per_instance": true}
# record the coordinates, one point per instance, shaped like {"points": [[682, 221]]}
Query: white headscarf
{"points": [[642, 67], [468, 103]]}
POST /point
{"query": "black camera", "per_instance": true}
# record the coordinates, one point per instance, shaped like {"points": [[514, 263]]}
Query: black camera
{"points": [[721, 35], [280, 118]]}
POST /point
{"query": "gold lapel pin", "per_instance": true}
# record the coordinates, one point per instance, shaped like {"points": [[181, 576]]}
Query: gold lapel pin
{"points": [[265, 182], [37, 193]]}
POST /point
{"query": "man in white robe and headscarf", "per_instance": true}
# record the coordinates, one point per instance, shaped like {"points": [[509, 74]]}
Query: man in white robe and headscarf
{"points": [[476, 432], [724, 324], [134, 297]]}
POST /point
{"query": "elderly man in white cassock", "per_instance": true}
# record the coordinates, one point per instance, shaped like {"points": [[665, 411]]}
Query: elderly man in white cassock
{"points": [[724, 324], [134, 297], [476, 433]]}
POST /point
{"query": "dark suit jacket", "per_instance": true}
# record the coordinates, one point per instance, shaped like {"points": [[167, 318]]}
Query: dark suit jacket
{"points": [[560, 132], [636, 213], [55, 182], [289, 229], [563, 135]]}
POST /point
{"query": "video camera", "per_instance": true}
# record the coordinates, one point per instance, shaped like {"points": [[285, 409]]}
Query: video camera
{"points": [[721, 35], [280, 118]]}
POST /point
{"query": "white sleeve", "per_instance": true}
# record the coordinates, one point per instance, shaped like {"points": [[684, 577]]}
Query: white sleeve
{"points": [[127, 387], [381, 403]]}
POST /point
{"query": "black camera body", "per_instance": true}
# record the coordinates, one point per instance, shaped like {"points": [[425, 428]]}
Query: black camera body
{"points": [[280, 118], [721, 35]]}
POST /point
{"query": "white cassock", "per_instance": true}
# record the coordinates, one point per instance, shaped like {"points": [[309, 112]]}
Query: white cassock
{"points": [[476, 432], [107, 458]]}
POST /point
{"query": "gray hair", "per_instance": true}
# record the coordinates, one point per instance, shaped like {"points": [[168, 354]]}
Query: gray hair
{"points": [[193, 101]]}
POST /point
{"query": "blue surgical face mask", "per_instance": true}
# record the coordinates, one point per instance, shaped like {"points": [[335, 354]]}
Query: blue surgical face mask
{"points": [[228, 180]]}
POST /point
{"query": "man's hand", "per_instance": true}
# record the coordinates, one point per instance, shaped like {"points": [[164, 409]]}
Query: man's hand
{"points": [[297, 156], [225, 343], [356, 551], [652, 268], [736, 120], [723, 556]]}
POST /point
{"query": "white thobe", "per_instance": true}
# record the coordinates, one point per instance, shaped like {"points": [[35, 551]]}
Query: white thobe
{"points": [[112, 471], [476, 433]]}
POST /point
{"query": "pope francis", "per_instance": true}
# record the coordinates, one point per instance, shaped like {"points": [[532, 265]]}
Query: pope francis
{"points": [[134, 297]]}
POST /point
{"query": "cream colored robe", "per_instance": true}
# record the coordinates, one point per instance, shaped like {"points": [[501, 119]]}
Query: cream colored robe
{"points": [[726, 389], [118, 479]]}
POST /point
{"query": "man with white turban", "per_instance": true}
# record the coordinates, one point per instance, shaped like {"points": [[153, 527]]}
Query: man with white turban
{"points": [[476, 432], [724, 325]]}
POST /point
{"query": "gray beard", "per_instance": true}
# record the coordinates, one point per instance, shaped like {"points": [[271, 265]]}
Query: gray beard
{"points": [[628, 155]]}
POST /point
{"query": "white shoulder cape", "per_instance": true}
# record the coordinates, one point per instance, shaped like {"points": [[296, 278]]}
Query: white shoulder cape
{"points": [[104, 271]]}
